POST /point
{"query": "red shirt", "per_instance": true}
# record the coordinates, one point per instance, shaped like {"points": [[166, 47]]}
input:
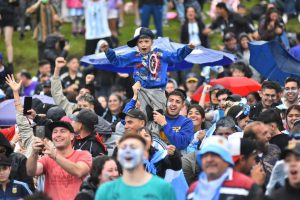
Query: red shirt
{"points": [[59, 184]]}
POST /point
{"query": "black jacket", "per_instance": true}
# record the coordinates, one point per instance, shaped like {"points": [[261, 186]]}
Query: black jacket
{"points": [[280, 140], [235, 24], [91, 144], [257, 109], [50, 52], [286, 193], [169, 162], [185, 37]]}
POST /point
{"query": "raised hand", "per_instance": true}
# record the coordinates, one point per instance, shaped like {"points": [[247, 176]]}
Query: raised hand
{"points": [[10, 80], [104, 46], [136, 87], [206, 89], [50, 149], [89, 78], [258, 174], [192, 46], [171, 150], [60, 62]]}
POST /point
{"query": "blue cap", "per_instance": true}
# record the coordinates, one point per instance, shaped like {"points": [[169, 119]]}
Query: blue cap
{"points": [[1, 57], [217, 145]]}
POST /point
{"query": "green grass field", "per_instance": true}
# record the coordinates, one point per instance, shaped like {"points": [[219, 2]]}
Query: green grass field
{"points": [[25, 51]]}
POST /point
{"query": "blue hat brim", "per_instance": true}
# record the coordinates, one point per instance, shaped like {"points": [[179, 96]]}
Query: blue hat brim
{"points": [[226, 156]]}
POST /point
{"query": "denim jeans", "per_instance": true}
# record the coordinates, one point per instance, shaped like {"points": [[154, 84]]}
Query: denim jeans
{"points": [[290, 6], [157, 11], [180, 10]]}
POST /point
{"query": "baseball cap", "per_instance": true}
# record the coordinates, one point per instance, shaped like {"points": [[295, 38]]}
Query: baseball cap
{"points": [[87, 117], [138, 33], [63, 124], [291, 148], [47, 84], [137, 114], [191, 77], [4, 161], [241, 146], [218, 145], [1, 57], [55, 113]]}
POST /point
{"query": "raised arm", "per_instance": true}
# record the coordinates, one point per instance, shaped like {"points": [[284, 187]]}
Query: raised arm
{"points": [[33, 8], [56, 88], [25, 130], [179, 55], [32, 166], [205, 91]]}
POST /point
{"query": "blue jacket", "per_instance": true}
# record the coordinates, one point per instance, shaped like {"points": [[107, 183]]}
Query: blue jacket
{"points": [[178, 131], [14, 190], [150, 69]]}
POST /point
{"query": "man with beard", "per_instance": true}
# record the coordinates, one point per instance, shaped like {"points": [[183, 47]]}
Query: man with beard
{"points": [[136, 183], [268, 154]]}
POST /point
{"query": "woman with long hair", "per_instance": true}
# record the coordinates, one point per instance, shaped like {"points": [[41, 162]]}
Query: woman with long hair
{"points": [[115, 104], [197, 115], [292, 114], [104, 169]]}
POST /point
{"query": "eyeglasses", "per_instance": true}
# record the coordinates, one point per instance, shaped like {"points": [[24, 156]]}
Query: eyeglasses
{"points": [[295, 136]]}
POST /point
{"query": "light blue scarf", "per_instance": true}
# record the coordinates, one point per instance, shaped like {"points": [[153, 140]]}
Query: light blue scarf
{"points": [[210, 189], [158, 156]]}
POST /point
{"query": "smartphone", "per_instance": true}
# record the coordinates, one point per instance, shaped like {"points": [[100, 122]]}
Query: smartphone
{"points": [[27, 105], [40, 132]]}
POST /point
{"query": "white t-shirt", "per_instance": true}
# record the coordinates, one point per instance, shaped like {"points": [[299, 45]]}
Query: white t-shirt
{"points": [[194, 33], [96, 23]]}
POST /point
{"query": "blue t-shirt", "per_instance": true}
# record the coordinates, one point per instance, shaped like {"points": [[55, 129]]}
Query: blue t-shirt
{"points": [[155, 189]]}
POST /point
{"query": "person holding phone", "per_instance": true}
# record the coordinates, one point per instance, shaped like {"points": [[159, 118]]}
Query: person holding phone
{"points": [[64, 168], [25, 130]]}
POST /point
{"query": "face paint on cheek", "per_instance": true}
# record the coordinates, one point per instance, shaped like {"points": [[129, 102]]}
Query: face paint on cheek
{"points": [[130, 158], [168, 104]]}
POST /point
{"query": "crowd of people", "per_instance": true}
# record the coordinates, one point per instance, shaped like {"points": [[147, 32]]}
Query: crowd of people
{"points": [[143, 136]]}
